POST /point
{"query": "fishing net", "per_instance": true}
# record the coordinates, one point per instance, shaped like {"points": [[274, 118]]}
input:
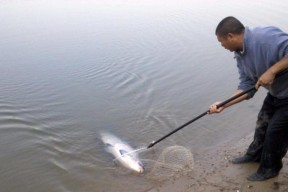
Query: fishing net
{"points": [[173, 161]]}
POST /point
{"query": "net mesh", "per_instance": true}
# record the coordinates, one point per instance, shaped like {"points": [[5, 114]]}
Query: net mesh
{"points": [[172, 162]]}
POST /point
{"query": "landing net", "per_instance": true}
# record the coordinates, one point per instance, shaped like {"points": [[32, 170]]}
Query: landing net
{"points": [[173, 161]]}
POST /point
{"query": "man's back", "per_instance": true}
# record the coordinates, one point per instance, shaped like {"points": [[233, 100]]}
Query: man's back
{"points": [[263, 47]]}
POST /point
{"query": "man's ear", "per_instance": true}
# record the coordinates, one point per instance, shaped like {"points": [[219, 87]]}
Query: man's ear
{"points": [[230, 36]]}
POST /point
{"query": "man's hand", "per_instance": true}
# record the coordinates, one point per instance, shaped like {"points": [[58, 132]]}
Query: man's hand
{"points": [[213, 108], [266, 78]]}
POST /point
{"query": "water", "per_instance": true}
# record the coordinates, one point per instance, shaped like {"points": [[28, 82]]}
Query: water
{"points": [[70, 69]]}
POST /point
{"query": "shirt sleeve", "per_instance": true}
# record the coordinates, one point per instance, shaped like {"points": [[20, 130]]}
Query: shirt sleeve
{"points": [[283, 46], [245, 81]]}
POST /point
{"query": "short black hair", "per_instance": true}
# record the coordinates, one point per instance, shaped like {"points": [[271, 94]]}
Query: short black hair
{"points": [[229, 25]]}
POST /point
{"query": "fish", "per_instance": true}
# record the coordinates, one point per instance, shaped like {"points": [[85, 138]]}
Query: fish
{"points": [[122, 152]]}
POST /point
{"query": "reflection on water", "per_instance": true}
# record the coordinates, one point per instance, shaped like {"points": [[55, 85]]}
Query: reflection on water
{"points": [[136, 69]]}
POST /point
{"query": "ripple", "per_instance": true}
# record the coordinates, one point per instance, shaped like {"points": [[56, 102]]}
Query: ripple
{"points": [[137, 69]]}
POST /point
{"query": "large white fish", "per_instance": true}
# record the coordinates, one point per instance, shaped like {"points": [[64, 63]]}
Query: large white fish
{"points": [[122, 152]]}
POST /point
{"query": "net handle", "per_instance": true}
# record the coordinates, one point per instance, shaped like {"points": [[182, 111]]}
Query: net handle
{"points": [[201, 115]]}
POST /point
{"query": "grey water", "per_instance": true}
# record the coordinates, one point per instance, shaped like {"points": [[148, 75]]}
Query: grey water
{"points": [[136, 69]]}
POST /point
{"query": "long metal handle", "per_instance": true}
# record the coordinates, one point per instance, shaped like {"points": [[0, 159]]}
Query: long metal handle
{"points": [[199, 116]]}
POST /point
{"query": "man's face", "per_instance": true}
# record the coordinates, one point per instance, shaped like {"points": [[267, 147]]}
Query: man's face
{"points": [[227, 42]]}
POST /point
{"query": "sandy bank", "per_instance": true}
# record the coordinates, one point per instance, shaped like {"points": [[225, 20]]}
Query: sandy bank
{"points": [[214, 172]]}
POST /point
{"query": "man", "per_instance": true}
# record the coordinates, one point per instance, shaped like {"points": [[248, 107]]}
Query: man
{"points": [[262, 60]]}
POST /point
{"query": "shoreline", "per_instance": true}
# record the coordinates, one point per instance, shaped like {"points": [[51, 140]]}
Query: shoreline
{"points": [[214, 172]]}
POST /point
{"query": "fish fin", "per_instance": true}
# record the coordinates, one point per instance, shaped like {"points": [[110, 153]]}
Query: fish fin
{"points": [[122, 152], [116, 162], [107, 145]]}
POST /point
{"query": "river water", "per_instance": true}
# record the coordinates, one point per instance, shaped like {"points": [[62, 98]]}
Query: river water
{"points": [[137, 69]]}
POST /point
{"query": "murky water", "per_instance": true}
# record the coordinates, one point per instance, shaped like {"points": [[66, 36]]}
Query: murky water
{"points": [[138, 69]]}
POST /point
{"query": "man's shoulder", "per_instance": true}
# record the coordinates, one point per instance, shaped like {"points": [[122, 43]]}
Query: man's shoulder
{"points": [[265, 30], [264, 33]]}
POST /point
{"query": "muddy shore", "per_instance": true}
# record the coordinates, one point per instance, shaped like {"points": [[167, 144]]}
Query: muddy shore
{"points": [[213, 171]]}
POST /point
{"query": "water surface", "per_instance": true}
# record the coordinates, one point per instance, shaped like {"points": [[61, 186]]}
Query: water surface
{"points": [[71, 69]]}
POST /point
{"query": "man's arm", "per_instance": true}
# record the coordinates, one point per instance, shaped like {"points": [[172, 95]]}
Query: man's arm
{"points": [[268, 77], [213, 108]]}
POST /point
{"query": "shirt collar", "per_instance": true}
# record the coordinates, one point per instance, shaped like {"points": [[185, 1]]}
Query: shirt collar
{"points": [[238, 54]]}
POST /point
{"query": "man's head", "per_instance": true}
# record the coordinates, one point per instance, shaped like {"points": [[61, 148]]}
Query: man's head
{"points": [[229, 33]]}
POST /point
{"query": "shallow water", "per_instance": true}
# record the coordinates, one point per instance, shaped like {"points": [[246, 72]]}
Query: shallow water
{"points": [[71, 69]]}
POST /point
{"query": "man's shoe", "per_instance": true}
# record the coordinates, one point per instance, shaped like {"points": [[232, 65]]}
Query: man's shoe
{"points": [[260, 177], [244, 159]]}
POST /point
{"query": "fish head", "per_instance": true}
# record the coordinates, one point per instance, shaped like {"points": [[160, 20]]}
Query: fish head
{"points": [[134, 164], [138, 167], [121, 150]]}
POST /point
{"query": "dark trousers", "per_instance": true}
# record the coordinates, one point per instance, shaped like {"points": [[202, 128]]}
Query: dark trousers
{"points": [[271, 135]]}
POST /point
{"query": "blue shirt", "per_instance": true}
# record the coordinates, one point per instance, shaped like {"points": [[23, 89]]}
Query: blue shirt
{"points": [[262, 48]]}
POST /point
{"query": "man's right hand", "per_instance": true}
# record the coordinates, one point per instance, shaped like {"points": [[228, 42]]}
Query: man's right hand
{"points": [[214, 109]]}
